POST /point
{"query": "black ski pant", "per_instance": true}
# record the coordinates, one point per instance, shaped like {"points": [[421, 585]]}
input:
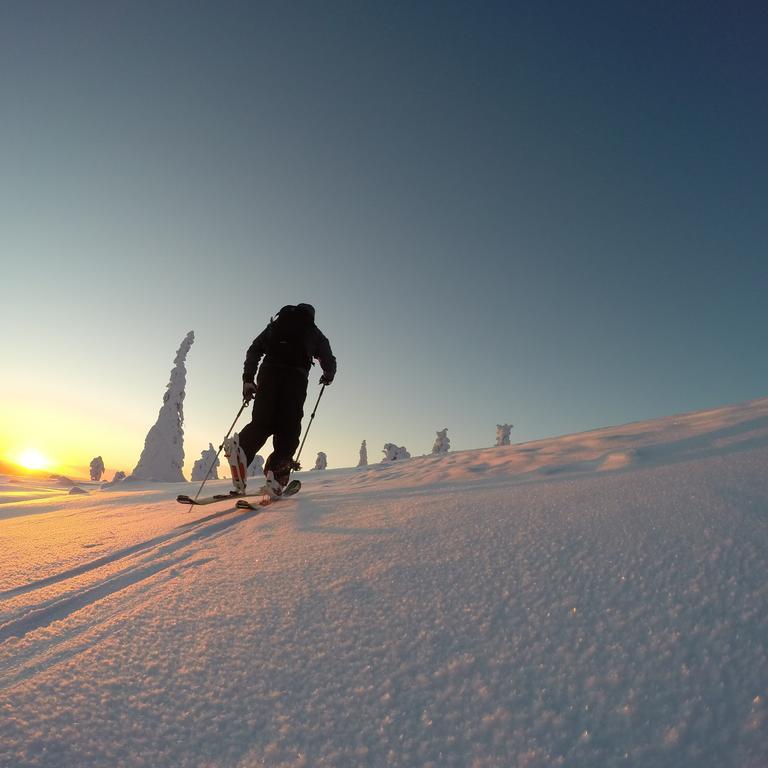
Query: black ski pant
{"points": [[277, 410]]}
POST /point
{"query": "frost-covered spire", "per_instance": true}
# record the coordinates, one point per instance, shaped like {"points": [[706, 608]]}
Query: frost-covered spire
{"points": [[502, 434], [163, 456], [442, 442], [97, 468], [322, 461], [363, 455]]}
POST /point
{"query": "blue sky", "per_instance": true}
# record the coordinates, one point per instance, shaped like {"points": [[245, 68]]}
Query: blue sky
{"points": [[549, 214]]}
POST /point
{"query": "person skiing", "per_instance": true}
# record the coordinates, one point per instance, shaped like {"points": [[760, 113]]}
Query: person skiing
{"points": [[288, 345]]}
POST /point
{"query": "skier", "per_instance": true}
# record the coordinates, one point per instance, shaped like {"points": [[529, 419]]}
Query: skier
{"points": [[288, 345]]}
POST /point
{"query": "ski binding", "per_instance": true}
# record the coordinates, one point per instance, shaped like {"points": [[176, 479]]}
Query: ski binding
{"points": [[270, 497]]}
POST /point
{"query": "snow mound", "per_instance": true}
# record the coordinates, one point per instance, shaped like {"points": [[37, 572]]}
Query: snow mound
{"points": [[617, 460]]}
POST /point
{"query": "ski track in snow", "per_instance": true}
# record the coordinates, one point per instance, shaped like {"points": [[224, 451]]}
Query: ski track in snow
{"points": [[592, 600]]}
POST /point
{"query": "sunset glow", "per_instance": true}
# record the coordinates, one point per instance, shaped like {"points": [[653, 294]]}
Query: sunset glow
{"points": [[32, 459]]}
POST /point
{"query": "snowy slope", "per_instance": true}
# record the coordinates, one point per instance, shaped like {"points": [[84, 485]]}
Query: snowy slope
{"points": [[593, 600]]}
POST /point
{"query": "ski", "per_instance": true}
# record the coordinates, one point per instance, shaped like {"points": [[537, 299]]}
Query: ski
{"points": [[216, 498], [290, 490]]}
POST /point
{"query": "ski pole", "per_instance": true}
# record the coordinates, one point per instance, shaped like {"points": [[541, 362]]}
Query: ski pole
{"points": [[301, 447], [213, 463]]}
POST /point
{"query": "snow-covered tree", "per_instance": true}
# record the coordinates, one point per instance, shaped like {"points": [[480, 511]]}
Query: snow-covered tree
{"points": [[208, 460], [118, 478], [363, 455], [163, 454], [97, 468], [257, 466], [442, 442], [394, 452], [322, 461], [502, 434]]}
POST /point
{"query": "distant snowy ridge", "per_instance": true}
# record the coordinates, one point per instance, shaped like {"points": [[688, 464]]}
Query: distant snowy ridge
{"points": [[669, 439]]}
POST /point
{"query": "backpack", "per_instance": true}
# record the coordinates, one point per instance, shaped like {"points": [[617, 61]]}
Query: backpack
{"points": [[289, 339]]}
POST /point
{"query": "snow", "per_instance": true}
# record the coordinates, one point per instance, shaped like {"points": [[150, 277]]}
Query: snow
{"points": [[597, 599]]}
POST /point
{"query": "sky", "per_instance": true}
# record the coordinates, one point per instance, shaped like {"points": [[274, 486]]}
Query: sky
{"points": [[544, 214]]}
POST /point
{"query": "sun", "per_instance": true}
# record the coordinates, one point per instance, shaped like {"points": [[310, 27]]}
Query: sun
{"points": [[32, 459]]}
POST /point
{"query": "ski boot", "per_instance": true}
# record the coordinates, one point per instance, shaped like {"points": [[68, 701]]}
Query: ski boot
{"points": [[272, 485], [278, 473], [237, 462]]}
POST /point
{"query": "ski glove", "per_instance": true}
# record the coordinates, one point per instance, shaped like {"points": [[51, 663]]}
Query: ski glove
{"points": [[249, 391], [326, 379]]}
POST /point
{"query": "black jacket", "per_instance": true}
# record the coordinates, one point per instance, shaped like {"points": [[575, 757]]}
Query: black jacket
{"points": [[308, 343]]}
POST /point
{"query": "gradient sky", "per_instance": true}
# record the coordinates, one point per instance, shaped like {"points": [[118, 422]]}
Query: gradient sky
{"points": [[546, 213]]}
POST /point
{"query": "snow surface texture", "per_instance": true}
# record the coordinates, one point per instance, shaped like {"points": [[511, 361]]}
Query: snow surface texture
{"points": [[208, 461], [502, 434], [442, 442], [163, 454], [594, 600]]}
